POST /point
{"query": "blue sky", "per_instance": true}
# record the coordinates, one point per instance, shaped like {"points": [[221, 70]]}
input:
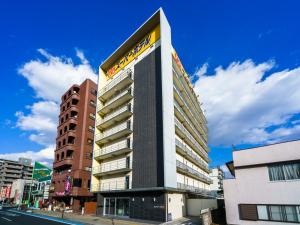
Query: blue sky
{"points": [[248, 41]]}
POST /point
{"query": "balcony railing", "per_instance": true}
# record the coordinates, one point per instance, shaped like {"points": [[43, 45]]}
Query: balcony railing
{"points": [[116, 100], [199, 125], [194, 102], [197, 133], [193, 172], [191, 154], [108, 90], [114, 132], [113, 167], [191, 139], [118, 114], [109, 186], [191, 188], [113, 149]]}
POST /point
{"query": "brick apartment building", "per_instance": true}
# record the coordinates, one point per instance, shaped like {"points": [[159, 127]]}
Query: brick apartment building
{"points": [[74, 145]]}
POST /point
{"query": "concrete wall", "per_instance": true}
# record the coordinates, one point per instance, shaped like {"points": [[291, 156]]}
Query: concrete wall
{"points": [[194, 206]]}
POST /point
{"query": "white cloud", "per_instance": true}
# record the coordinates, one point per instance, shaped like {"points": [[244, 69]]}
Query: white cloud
{"points": [[240, 105], [45, 155], [50, 79]]}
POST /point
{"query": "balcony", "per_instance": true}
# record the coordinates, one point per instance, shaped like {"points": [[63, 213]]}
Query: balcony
{"points": [[110, 186], [121, 166], [189, 95], [12, 175], [181, 167], [116, 84], [190, 155], [114, 133], [115, 116], [200, 126], [191, 188], [109, 151], [63, 163], [190, 126], [184, 134], [118, 99]]}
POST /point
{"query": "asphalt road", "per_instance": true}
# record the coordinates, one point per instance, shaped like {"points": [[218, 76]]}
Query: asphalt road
{"points": [[8, 217]]}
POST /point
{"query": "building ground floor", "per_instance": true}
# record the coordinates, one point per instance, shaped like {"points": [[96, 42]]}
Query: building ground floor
{"points": [[159, 205]]}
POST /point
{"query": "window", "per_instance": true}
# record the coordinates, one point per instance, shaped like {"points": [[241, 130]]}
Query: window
{"points": [[284, 171], [77, 182], [91, 128], [278, 213], [93, 92], [90, 141], [92, 103], [60, 132], [89, 155], [262, 212], [92, 116]]}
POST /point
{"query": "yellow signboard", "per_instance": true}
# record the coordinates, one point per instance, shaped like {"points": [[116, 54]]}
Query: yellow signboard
{"points": [[138, 49], [180, 66]]}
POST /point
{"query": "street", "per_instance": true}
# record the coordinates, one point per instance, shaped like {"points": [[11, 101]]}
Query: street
{"points": [[9, 217]]}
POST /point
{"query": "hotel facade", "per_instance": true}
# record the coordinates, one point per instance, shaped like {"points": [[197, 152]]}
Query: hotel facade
{"points": [[150, 146]]}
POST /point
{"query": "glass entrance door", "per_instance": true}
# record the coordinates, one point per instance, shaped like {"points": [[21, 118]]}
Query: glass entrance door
{"points": [[122, 207], [116, 207]]}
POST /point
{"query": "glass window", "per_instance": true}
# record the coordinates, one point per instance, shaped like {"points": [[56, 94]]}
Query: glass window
{"points": [[291, 214], [286, 171], [276, 213], [262, 212]]}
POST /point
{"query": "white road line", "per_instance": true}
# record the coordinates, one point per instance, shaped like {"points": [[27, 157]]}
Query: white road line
{"points": [[6, 219]]}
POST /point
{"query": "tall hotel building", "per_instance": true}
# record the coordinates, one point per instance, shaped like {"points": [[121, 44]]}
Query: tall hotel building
{"points": [[74, 144], [150, 146]]}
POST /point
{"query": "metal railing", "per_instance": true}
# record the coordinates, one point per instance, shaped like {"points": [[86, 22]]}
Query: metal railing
{"points": [[191, 188], [114, 130], [115, 97], [115, 81], [190, 137], [112, 148], [199, 125], [115, 113], [190, 123], [117, 165], [193, 171], [195, 103], [190, 152], [112, 185]]}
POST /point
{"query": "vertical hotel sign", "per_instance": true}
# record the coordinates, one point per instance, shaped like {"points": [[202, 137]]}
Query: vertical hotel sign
{"points": [[180, 66], [138, 49]]}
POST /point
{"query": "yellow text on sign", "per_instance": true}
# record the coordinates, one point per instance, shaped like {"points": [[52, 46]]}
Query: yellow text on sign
{"points": [[138, 49]]}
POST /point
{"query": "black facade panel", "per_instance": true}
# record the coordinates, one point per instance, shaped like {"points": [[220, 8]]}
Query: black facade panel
{"points": [[142, 205], [147, 123]]}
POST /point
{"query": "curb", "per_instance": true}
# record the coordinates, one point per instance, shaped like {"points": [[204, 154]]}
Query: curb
{"points": [[48, 218]]}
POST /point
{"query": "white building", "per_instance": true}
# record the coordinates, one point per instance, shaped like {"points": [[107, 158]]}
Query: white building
{"points": [[266, 187], [150, 144], [217, 176]]}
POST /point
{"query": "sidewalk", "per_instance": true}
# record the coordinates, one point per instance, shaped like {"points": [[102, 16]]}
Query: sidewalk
{"points": [[96, 220]]}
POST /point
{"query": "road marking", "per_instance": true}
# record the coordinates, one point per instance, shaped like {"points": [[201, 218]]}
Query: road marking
{"points": [[6, 219], [48, 218]]}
